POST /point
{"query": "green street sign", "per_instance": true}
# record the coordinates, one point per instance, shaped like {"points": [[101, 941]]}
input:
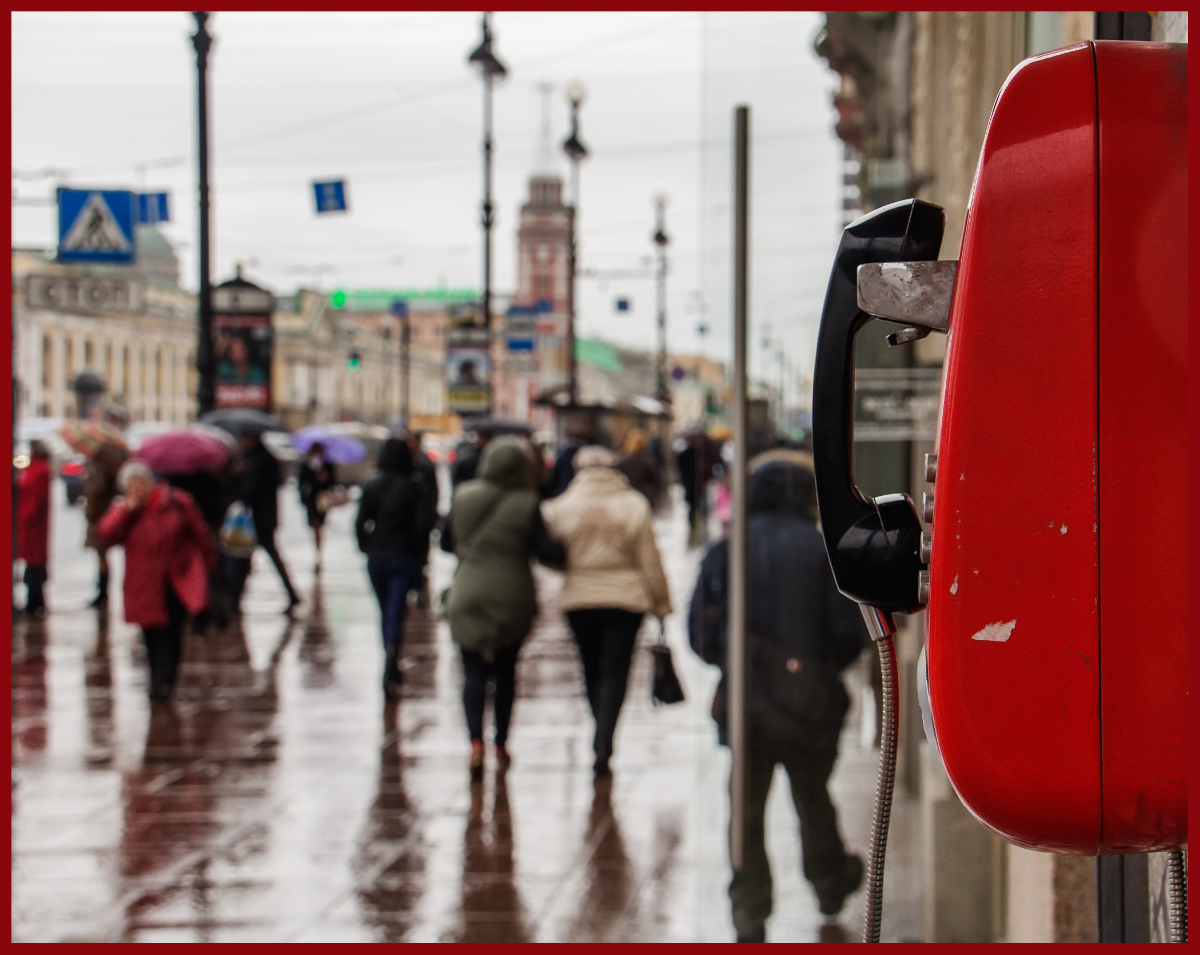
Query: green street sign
{"points": [[380, 299]]}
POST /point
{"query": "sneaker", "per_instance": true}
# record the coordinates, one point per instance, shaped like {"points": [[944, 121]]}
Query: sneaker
{"points": [[476, 763], [833, 890], [503, 759], [392, 678]]}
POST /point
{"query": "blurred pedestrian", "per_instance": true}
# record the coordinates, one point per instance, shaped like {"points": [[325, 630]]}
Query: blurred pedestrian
{"points": [[33, 526], [614, 578], [316, 475], [168, 556], [639, 466], [426, 472], [802, 634], [469, 457], [395, 517], [495, 528], [208, 494], [580, 433], [261, 478]]}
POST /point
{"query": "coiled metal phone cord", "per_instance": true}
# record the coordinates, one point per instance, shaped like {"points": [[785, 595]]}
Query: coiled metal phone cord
{"points": [[1177, 894], [882, 631]]}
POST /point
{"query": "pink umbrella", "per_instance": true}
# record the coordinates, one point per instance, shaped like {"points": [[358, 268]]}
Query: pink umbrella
{"points": [[183, 452]]}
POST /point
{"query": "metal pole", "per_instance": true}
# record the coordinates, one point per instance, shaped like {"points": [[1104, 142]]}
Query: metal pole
{"points": [[487, 213], [204, 344], [738, 593], [572, 371], [405, 334], [660, 239]]}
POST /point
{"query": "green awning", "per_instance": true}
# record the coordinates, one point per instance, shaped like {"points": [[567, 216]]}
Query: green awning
{"points": [[598, 354]]}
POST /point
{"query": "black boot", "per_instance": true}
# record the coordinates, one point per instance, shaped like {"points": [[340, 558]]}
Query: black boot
{"points": [[101, 600], [391, 675]]}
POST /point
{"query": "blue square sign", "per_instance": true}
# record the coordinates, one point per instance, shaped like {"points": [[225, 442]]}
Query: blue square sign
{"points": [[153, 208], [95, 225], [331, 196]]}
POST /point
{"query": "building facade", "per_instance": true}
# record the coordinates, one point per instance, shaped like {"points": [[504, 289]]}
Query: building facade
{"points": [[133, 325]]}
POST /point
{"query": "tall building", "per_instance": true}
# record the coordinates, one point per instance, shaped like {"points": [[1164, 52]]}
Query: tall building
{"points": [[543, 287]]}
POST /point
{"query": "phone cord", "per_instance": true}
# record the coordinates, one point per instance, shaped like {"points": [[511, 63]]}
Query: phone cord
{"points": [[883, 792], [1177, 894]]}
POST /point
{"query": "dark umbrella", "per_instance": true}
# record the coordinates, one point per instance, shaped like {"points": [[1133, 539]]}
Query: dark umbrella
{"points": [[339, 448], [183, 452], [495, 426], [239, 421]]}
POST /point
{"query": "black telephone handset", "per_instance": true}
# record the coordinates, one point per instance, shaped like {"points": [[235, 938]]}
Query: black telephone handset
{"points": [[873, 543]]}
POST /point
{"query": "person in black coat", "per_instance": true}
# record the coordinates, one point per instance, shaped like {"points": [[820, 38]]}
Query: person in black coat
{"points": [[395, 518], [315, 475], [802, 634], [259, 491]]}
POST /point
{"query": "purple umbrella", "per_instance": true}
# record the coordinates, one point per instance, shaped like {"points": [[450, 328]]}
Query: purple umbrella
{"points": [[339, 448], [183, 452]]}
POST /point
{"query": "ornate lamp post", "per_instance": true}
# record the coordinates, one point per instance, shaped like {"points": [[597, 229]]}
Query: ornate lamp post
{"points": [[576, 152]]}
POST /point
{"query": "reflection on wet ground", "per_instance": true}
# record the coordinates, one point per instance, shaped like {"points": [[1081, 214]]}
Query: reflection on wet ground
{"points": [[279, 799]]}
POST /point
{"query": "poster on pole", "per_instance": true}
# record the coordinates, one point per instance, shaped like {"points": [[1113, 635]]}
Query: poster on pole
{"points": [[243, 343], [468, 378]]}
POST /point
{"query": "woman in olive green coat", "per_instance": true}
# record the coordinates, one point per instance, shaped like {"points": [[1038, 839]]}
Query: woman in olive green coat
{"points": [[495, 528]]}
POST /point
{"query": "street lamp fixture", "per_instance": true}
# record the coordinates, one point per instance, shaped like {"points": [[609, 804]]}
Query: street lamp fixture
{"points": [[490, 69], [205, 364], [576, 153], [661, 239]]}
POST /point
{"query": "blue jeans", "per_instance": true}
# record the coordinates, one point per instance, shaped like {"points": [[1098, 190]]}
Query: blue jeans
{"points": [[392, 578]]}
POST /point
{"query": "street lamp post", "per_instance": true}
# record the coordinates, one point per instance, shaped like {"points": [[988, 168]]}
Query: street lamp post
{"points": [[576, 152], [490, 69], [202, 42], [661, 240]]}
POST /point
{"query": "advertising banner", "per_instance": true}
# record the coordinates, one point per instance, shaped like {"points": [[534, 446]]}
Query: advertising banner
{"points": [[243, 358], [468, 379]]}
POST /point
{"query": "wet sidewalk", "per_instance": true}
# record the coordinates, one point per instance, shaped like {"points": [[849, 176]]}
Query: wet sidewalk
{"points": [[279, 799]]}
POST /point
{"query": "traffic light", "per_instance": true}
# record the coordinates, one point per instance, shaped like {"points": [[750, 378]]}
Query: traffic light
{"points": [[354, 361]]}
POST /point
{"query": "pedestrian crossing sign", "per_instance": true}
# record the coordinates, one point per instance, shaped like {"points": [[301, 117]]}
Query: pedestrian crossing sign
{"points": [[96, 225]]}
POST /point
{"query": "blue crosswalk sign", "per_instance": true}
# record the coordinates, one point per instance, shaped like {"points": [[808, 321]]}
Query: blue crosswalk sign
{"points": [[153, 208], [96, 225], [331, 196]]}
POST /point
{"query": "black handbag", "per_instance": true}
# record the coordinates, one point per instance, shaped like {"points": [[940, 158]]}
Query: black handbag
{"points": [[666, 688]]}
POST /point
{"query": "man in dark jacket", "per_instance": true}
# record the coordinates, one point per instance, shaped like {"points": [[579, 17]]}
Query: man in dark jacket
{"points": [[802, 634], [260, 493], [395, 517]]}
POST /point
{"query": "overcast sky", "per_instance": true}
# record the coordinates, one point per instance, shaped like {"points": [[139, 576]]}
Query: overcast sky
{"points": [[388, 102]]}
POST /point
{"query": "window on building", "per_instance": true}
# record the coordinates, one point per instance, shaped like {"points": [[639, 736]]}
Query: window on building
{"points": [[126, 375], [47, 360], [69, 356], [89, 353], [543, 286], [108, 369]]}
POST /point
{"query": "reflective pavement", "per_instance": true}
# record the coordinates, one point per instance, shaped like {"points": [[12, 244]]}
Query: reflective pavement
{"points": [[279, 799]]}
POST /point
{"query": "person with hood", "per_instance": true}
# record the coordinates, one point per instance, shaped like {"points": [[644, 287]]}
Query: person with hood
{"points": [[396, 515], [495, 528], [802, 634], [33, 526], [579, 434], [316, 474], [614, 578], [168, 557]]}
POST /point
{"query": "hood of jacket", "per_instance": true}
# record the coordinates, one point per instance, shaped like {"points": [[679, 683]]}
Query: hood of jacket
{"points": [[504, 462], [395, 457], [782, 486]]}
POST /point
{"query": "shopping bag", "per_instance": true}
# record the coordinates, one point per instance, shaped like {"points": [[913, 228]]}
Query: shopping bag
{"points": [[666, 688], [238, 537]]}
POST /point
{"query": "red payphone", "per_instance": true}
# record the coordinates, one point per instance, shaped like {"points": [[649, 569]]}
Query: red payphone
{"points": [[1056, 556]]}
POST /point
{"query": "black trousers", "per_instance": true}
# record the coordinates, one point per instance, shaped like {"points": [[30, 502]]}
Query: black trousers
{"points": [[164, 645], [35, 582], [502, 672], [605, 637], [267, 543], [750, 892]]}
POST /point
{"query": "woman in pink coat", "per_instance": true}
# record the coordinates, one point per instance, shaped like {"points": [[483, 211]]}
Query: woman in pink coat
{"points": [[168, 554]]}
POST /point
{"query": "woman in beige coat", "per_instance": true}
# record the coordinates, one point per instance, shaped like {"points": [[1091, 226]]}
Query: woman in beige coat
{"points": [[614, 578]]}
